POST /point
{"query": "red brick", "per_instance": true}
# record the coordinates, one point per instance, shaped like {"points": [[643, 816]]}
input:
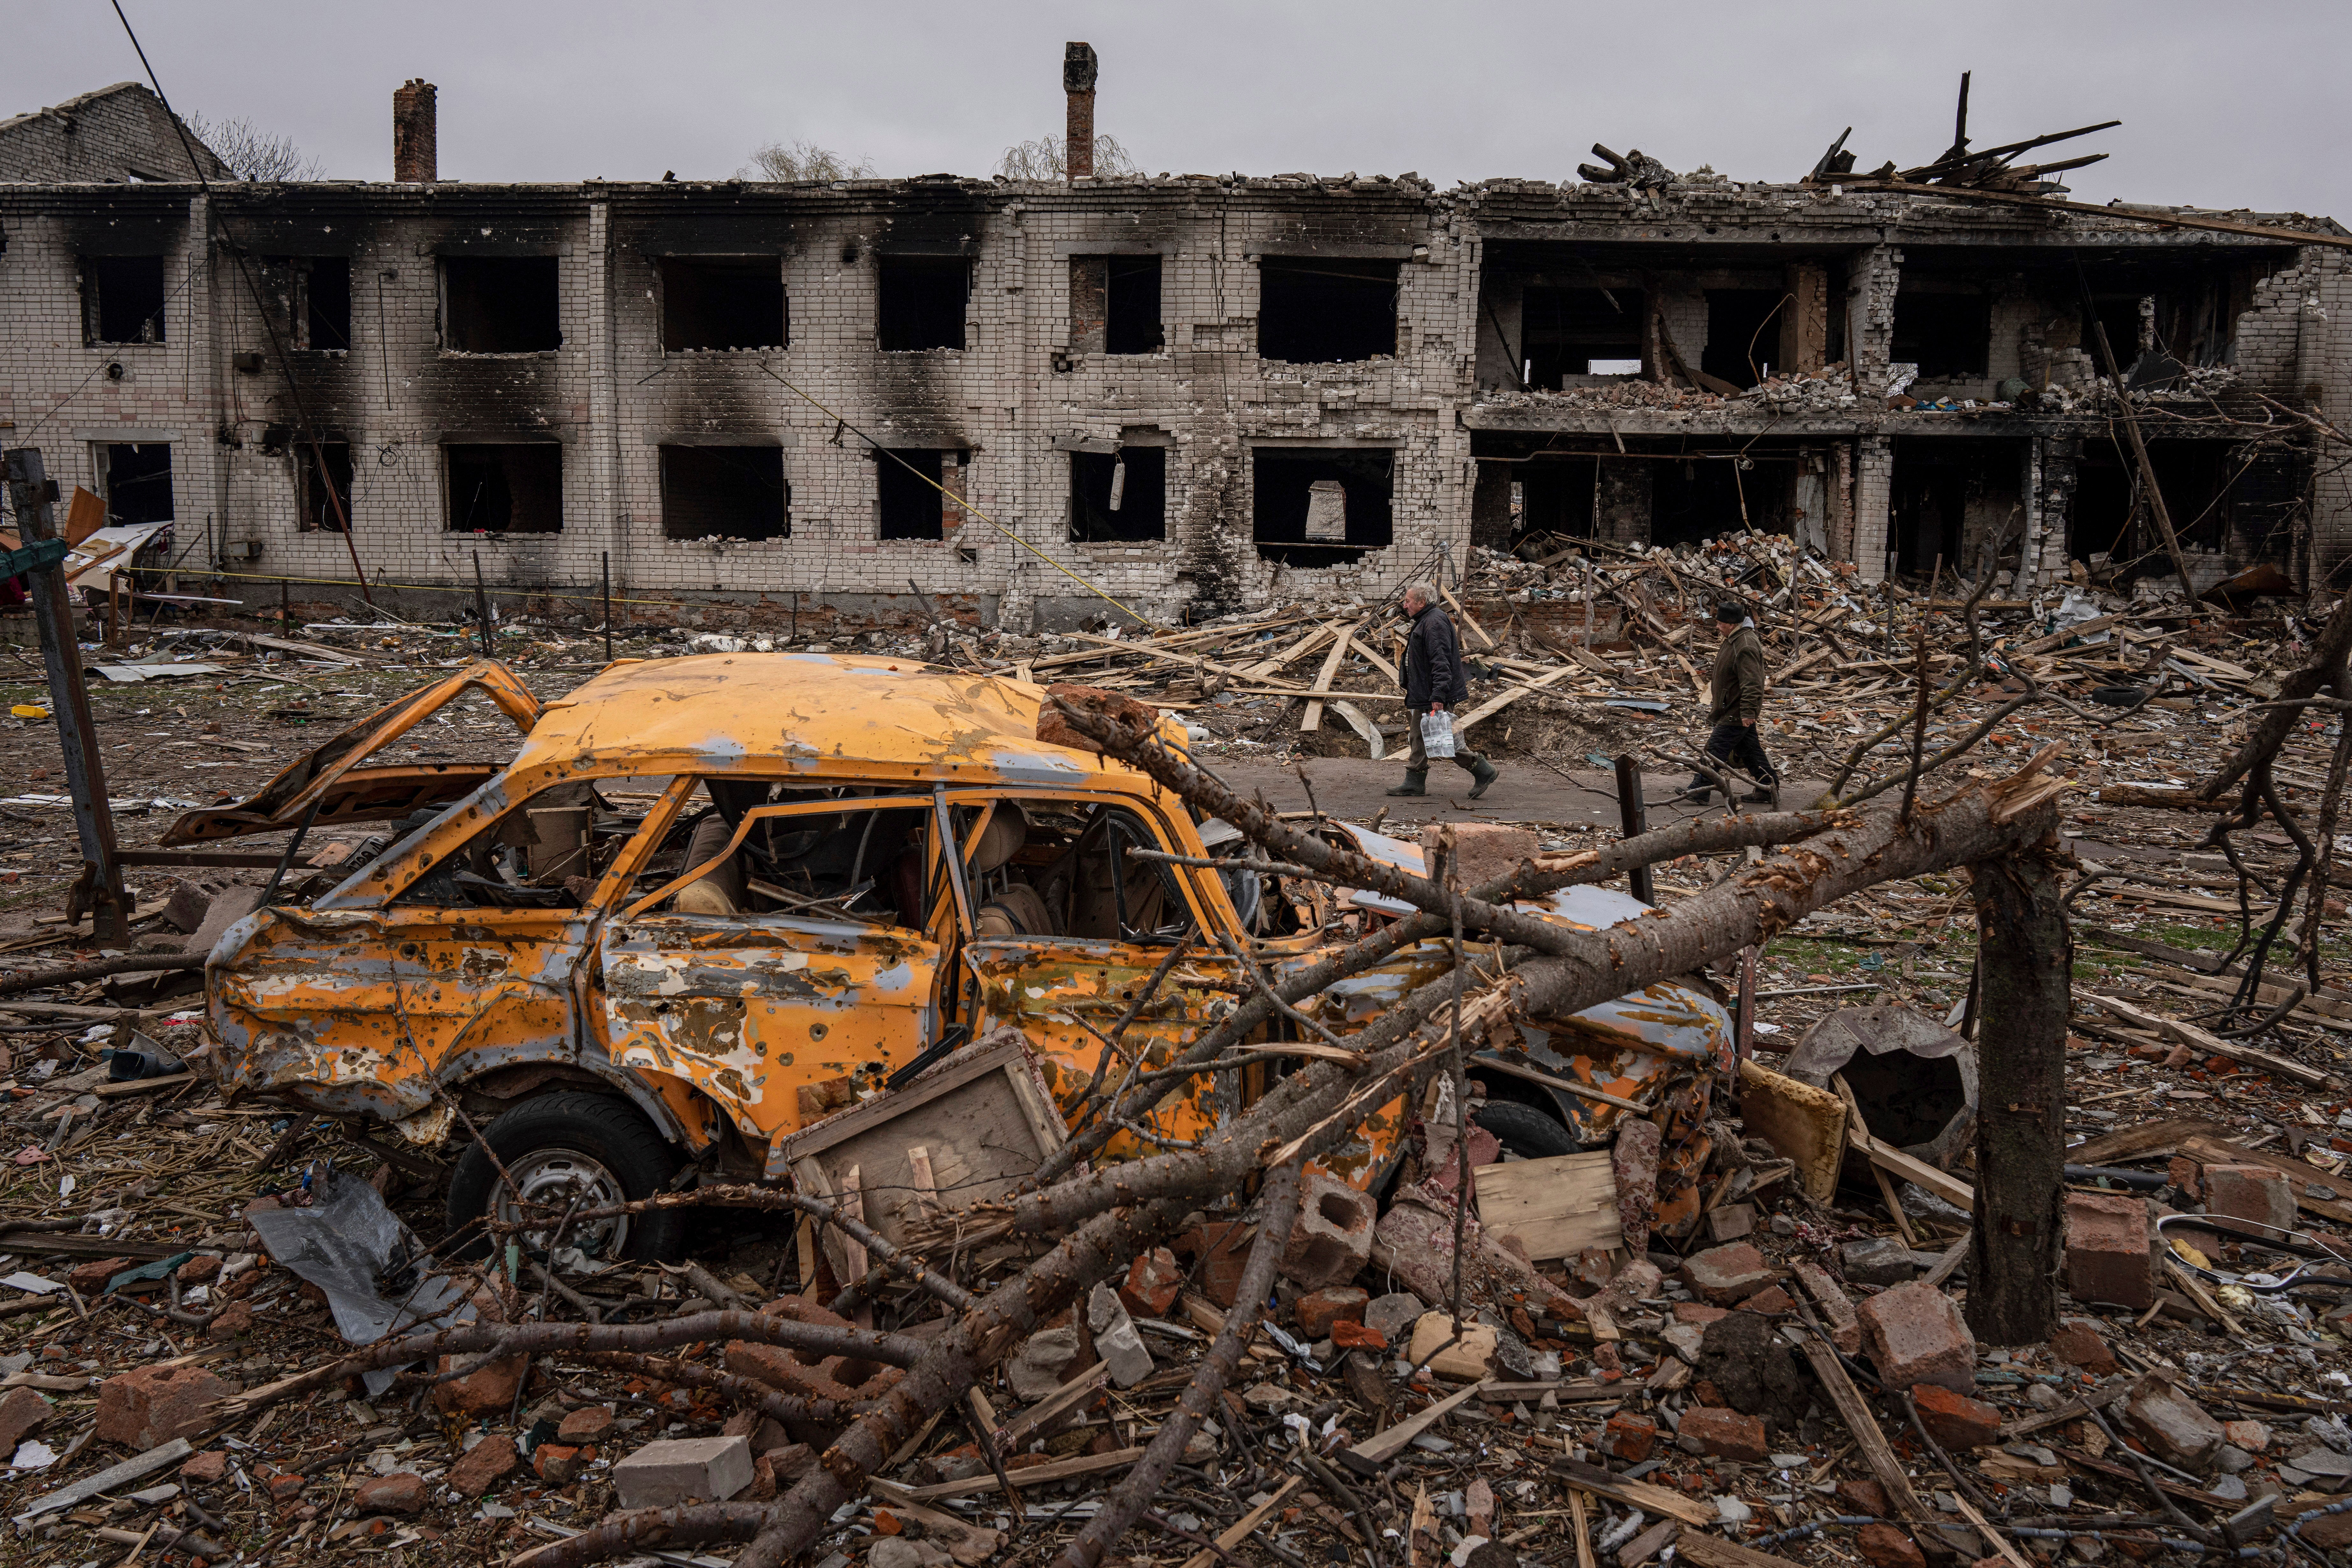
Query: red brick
{"points": [[1219, 1250], [1152, 1281], [1837, 1306], [1771, 1298], [488, 1390], [1887, 1547], [558, 1463], [2255, 1193], [205, 1469], [22, 1412], [2106, 1249], [2079, 1345], [2329, 1533], [2251, 1436], [1724, 1434], [2182, 1172], [399, 1492], [485, 1464], [1727, 1275], [1629, 1437], [1319, 1309], [89, 1278], [1914, 1334], [286, 1488], [1864, 1496], [1955, 1420], [1349, 1336], [233, 1322], [153, 1405], [1698, 1312], [198, 1270], [587, 1425]]}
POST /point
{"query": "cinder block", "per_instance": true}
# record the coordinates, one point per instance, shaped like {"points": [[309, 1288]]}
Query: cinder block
{"points": [[675, 1470], [2106, 1249], [1332, 1236], [1914, 1335]]}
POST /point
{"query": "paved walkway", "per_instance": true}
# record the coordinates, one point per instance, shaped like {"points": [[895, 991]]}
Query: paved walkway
{"points": [[1354, 788]]}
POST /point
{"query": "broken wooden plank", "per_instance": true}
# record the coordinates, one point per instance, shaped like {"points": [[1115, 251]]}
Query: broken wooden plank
{"points": [[1312, 720], [1381, 1447], [1556, 1207], [1241, 1529], [1864, 1425], [1634, 1494], [1502, 699], [2198, 1039], [1052, 1471]]}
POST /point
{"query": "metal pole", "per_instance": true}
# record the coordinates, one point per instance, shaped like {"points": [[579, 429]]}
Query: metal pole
{"points": [[101, 884], [608, 604], [482, 608], [1636, 818]]}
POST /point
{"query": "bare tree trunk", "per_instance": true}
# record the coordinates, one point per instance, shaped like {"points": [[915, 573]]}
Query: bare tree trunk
{"points": [[2025, 964]]}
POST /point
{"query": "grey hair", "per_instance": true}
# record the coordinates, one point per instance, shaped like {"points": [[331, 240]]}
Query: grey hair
{"points": [[1426, 592]]}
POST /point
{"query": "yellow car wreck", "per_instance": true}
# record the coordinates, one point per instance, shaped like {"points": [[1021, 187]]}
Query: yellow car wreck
{"points": [[716, 899]]}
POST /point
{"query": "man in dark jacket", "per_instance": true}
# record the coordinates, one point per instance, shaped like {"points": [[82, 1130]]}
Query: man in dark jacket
{"points": [[1435, 682], [1737, 684]]}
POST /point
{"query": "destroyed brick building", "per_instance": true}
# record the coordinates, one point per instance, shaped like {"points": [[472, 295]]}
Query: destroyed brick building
{"points": [[1196, 393]]}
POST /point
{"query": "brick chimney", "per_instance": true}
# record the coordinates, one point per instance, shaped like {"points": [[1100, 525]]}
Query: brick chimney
{"points": [[1079, 83], [414, 154]]}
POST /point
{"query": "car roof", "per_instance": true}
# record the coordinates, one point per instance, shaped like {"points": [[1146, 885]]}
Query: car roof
{"points": [[826, 714]]}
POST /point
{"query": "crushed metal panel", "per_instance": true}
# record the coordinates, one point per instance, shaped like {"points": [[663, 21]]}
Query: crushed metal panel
{"points": [[966, 1131]]}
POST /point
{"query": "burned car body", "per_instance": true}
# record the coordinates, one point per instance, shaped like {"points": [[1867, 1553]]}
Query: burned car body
{"points": [[714, 900]]}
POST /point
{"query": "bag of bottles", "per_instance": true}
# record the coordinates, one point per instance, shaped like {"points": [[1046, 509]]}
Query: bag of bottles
{"points": [[1437, 734]]}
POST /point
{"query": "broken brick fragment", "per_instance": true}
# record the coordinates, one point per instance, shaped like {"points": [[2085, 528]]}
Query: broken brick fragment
{"points": [[485, 1464], [1629, 1437], [2079, 1345], [2106, 1250], [1887, 1547], [1318, 1310], [1864, 1496], [1723, 1434], [1955, 1420], [1914, 1335], [1152, 1281]]}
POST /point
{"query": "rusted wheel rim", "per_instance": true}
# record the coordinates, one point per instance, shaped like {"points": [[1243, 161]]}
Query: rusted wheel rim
{"points": [[560, 1179]]}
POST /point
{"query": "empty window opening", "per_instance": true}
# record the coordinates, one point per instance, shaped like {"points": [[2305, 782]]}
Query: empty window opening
{"points": [[920, 303], [1131, 325], [135, 480], [321, 509], [122, 299], [909, 505], [1743, 333], [1580, 331], [1119, 496], [723, 302], [508, 488], [1316, 310], [1952, 501], [327, 303], [1557, 497], [499, 305], [1320, 506], [1947, 336], [725, 492], [2120, 314], [2215, 498]]}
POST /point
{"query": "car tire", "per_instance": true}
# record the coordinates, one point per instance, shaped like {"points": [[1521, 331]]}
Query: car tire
{"points": [[562, 1142], [1525, 1130]]}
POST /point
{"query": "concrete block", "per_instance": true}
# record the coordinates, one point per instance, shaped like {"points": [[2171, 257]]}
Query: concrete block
{"points": [[1727, 1275], [1116, 1339], [1473, 1356], [2254, 1193], [1042, 1363], [1877, 1260], [1722, 1434], [675, 1470], [1914, 1335], [2106, 1249], [1393, 1314], [1332, 1237]]}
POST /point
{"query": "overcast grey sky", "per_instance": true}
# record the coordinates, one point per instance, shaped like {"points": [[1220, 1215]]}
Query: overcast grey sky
{"points": [[2222, 105]]}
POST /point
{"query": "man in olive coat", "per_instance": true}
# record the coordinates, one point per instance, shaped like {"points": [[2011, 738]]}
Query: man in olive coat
{"points": [[1738, 685], [1435, 682]]}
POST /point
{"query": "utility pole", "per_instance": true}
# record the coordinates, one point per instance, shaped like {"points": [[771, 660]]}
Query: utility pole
{"points": [[98, 889]]}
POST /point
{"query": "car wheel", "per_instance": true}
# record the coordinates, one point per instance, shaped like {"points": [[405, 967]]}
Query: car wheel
{"points": [[568, 1150], [1525, 1130]]}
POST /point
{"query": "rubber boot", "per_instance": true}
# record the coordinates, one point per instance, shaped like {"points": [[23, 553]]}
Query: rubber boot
{"points": [[1483, 773], [1415, 783]]}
